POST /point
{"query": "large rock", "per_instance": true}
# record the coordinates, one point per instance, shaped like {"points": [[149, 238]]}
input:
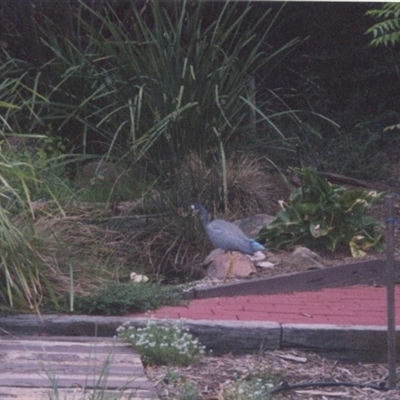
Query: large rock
{"points": [[251, 226], [303, 258], [218, 262], [98, 173]]}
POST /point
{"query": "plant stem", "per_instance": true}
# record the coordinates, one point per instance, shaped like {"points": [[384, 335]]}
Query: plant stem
{"points": [[224, 172]]}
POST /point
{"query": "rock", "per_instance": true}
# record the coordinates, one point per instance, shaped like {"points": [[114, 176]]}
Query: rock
{"points": [[251, 226], [273, 258], [260, 260], [303, 258], [218, 264], [97, 173], [138, 277], [265, 264], [258, 256]]}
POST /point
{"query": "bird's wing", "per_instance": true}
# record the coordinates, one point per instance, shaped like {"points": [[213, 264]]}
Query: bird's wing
{"points": [[228, 236]]}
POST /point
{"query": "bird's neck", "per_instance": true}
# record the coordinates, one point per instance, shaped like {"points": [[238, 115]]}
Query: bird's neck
{"points": [[203, 217]]}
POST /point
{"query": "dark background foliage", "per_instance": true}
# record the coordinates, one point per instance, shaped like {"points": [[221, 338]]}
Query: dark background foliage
{"points": [[338, 74], [333, 71]]}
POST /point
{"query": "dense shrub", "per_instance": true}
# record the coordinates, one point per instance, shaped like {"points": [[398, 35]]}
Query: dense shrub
{"points": [[321, 214], [123, 298]]}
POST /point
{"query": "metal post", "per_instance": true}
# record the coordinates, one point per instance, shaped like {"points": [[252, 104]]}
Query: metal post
{"points": [[390, 282]]}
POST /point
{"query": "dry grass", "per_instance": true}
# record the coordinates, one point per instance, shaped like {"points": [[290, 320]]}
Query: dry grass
{"points": [[247, 181], [99, 247], [91, 251]]}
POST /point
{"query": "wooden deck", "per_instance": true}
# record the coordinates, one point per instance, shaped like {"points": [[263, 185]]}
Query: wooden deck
{"points": [[71, 368]]}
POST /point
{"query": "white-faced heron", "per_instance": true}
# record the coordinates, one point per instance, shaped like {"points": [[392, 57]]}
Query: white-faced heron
{"points": [[227, 236]]}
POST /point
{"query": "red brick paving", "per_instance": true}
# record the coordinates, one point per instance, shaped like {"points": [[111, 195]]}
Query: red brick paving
{"points": [[357, 305]]}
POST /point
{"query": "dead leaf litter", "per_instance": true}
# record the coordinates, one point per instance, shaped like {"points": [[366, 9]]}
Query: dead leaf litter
{"points": [[214, 375]]}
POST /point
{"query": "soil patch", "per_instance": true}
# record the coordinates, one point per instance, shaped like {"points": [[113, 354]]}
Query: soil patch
{"points": [[213, 374]]}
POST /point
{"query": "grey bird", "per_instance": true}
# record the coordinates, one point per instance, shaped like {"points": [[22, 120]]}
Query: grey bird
{"points": [[226, 236]]}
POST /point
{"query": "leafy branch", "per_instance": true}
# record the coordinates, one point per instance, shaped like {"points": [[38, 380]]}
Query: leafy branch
{"points": [[387, 31]]}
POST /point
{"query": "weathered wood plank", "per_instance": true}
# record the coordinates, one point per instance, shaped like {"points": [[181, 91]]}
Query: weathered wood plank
{"points": [[68, 394], [78, 326], [369, 272], [236, 337], [65, 363], [49, 377]]}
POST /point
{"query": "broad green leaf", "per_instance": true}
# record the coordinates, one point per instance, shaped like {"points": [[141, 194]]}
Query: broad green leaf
{"points": [[318, 230], [321, 214], [356, 252]]}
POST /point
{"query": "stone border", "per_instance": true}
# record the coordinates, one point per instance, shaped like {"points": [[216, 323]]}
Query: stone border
{"points": [[348, 343]]}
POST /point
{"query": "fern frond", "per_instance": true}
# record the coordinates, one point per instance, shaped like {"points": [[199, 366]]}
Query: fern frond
{"points": [[392, 128], [387, 31]]}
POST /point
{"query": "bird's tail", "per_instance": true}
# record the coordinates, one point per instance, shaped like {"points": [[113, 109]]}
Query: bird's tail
{"points": [[256, 246]]}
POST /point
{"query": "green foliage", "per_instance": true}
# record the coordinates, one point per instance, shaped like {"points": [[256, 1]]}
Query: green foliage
{"points": [[38, 168], [33, 162], [23, 279], [321, 214], [23, 164], [255, 388], [162, 344], [189, 391], [101, 181], [123, 298], [386, 31]]}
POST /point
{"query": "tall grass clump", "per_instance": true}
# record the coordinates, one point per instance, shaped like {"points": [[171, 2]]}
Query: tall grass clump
{"points": [[163, 82], [26, 141], [26, 170], [22, 281]]}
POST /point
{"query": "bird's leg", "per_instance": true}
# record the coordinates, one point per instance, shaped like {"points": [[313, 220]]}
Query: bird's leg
{"points": [[230, 268]]}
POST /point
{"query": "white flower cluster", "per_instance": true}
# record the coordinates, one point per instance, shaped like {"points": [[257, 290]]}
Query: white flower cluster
{"points": [[162, 344]]}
